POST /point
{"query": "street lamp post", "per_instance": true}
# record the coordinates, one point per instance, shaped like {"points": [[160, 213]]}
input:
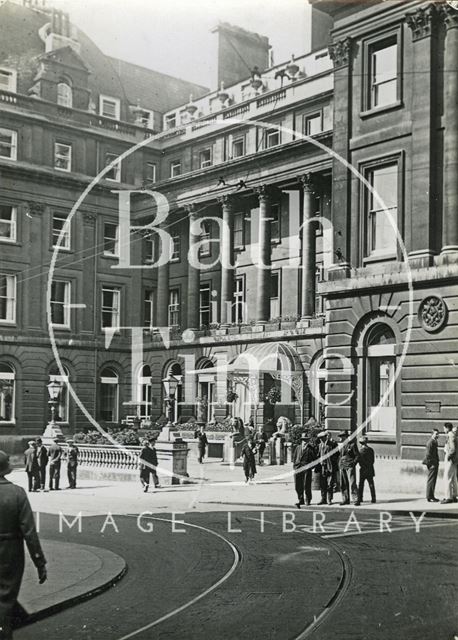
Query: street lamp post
{"points": [[52, 429], [170, 387]]}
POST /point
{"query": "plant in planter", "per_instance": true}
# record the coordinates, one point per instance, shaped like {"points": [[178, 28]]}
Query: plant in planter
{"points": [[273, 395], [232, 396]]}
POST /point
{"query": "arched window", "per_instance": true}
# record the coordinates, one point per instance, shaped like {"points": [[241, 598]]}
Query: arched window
{"points": [[144, 391], [64, 94], [61, 414], [7, 392], [380, 370], [109, 395]]}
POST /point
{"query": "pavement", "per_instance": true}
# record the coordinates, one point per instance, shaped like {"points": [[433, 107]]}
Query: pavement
{"points": [[79, 571]]}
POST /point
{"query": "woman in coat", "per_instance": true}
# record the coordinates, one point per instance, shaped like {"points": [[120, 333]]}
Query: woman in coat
{"points": [[249, 460], [16, 525]]}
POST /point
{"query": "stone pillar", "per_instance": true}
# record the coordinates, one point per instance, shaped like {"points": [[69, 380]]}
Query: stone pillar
{"points": [[163, 295], [450, 207], [308, 261], [264, 256], [227, 259], [193, 299], [341, 53]]}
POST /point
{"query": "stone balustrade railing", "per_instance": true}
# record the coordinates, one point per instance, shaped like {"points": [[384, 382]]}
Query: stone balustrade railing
{"points": [[108, 456]]}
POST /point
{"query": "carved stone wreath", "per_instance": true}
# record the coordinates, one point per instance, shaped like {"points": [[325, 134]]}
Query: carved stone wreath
{"points": [[433, 313]]}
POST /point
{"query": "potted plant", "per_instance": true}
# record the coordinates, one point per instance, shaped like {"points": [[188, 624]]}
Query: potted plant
{"points": [[273, 395], [232, 396]]}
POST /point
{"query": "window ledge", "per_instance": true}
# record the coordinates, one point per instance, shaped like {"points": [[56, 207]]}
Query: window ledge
{"points": [[383, 257], [8, 323], [376, 110], [112, 256], [378, 436]]}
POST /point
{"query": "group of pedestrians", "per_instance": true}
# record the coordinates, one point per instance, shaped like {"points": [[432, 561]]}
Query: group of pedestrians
{"points": [[38, 458], [335, 463], [431, 460]]}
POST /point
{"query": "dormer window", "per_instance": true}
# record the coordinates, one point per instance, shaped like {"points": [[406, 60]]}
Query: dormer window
{"points": [[64, 95], [8, 80], [110, 107], [170, 121]]}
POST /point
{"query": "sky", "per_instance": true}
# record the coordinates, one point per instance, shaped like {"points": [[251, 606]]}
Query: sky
{"points": [[173, 36]]}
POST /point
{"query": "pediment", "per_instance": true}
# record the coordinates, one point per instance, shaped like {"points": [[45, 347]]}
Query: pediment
{"points": [[66, 57]]}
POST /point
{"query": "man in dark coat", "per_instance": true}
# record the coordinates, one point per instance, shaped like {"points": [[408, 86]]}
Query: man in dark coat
{"points": [[327, 468], [249, 459], [366, 461], [31, 466], [431, 460], [16, 525], [260, 440], [202, 443], [42, 455], [348, 459], [72, 464], [303, 454], [148, 464], [55, 458]]}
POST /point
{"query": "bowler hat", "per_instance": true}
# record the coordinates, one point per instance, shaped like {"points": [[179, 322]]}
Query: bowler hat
{"points": [[364, 439], [343, 434], [4, 464], [322, 434]]}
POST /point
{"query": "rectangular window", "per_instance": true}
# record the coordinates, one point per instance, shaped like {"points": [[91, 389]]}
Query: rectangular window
{"points": [[205, 308], [114, 173], [271, 138], [239, 230], [381, 222], [313, 124], [110, 107], [60, 303], [205, 158], [8, 79], [238, 147], [8, 217], [275, 294], [7, 298], [8, 144], [111, 300], [149, 249], [170, 121], [205, 247], [383, 73], [175, 168], [148, 309], [239, 300], [58, 224], [146, 118], [176, 248], [174, 307], [151, 170], [275, 215], [110, 239], [62, 156]]}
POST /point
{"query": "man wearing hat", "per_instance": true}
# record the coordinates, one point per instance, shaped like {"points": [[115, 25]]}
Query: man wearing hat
{"points": [[327, 468], [72, 464], [55, 457], [42, 456], [366, 461], [348, 459], [32, 467], [303, 454], [16, 525]]}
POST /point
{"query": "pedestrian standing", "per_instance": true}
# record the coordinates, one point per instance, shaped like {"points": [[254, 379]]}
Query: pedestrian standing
{"points": [[450, 459], [31, 466], [16, 525], [260, 440], [72, 464], [348, 459], [148, 465], [249, 459], [431, 460], [42, 455], [303, 455], [202, 443], [366, 460], [55, 453], [327, 467]]}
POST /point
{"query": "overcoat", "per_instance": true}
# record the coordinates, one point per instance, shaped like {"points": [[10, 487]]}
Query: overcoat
{"points": [[249, 460]]}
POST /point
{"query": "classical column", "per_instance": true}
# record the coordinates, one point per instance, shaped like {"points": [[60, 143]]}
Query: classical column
{"points": [[193, 299], [450, 207], [264, 256], [227, 259], [308, 262], [163, 294]]}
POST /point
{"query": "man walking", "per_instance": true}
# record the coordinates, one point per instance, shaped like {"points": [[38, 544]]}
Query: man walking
{"points": [[260, 441], [303, 454], [431, 460], [72, 464], [347, 467], [42, 456], [327, 467], [450, 459], [16, 525], [366, 461], [55, 458], [202, 443], [31, 466], [148, 464]]}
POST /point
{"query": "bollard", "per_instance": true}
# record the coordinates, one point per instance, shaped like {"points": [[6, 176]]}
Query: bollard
{"points": [[272, 451]]}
